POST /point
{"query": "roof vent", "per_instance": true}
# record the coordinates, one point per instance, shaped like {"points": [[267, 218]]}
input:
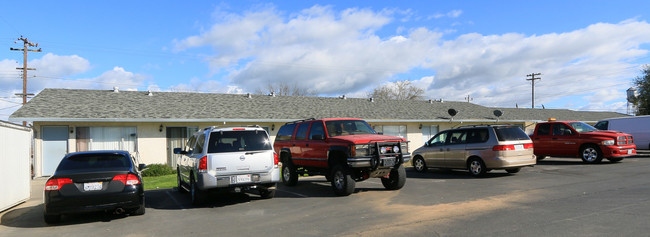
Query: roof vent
{"points": [[249, 95], [343, 97], [372, 99], [272, 94], [149, 93], [116, 89], [442, 101], [430, 101]]}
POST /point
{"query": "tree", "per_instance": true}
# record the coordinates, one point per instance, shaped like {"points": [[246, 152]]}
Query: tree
{"points": [[400, 90], [643, 87], [281, 88]]}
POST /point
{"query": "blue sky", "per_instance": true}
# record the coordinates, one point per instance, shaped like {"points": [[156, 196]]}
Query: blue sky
{"points": [[587, 51]]}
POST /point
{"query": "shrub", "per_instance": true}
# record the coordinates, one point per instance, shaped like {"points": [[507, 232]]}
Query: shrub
{"points": [[157, 170]]}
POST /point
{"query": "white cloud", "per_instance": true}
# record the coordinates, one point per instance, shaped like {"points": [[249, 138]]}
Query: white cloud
{"points": [[335, 53], [52, 65]]}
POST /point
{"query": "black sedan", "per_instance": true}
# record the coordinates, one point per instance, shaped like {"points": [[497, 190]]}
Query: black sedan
{"points": [[94, 181]]}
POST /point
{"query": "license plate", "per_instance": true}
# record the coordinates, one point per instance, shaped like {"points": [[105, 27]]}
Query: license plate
{"points": [[629, 152], [389, 162], [93, 186], [240, 179], [519, 147]]}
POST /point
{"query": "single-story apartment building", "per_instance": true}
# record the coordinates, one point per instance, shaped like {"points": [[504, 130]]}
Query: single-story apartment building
{"points": [[151, 124]]}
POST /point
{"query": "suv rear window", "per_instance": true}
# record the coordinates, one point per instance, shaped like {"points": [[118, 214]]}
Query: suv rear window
{"points": [[230, 141], [94, 161], [510, 133]]}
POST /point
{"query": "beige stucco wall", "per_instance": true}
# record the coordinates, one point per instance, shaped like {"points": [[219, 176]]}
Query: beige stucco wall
{"points": [[152, 143]]}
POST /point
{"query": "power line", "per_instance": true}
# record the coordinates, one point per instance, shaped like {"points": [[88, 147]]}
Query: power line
{"points": [[532, 75], [26, 49]]}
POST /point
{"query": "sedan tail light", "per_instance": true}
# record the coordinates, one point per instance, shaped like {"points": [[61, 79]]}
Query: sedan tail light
{"points": [[56, 184], [127, 179]]}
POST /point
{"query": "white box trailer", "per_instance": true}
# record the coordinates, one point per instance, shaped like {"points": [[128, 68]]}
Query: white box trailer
{"points": [[15, 159], [637, 126]]}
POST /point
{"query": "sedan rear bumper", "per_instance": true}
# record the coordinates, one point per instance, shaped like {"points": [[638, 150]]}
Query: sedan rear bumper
{"points": [[55, 204]]}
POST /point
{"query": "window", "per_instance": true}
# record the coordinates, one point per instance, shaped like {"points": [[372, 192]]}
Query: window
{"points": [[544, 129], [393, 130], [582, 127], [301, 134], [200, 141], [285, 132], [457, 137], [317, 131], [511, 133], [429, 131], [602, 125], [106, 138], [438, 139], [95, 161], [477, 135], [560, 129], [230, 141], [347, 127]]}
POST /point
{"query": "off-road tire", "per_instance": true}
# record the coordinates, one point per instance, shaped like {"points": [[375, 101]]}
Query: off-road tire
{"points": [[342, 181], [396, 179], [289, 173]]}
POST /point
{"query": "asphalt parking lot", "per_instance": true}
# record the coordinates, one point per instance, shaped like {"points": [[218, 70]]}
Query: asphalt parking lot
{"points": [[557, 197]]}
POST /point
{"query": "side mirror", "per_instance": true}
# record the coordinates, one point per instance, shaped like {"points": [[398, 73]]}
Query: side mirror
{"points": [[426, 143], [179, 151], [142, 167], [317, 137]]}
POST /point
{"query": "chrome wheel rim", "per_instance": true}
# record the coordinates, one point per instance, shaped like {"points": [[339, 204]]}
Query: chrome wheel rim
{"points": [[475, 167], [338, 180], [285, 174], [589, 154], [419, 164]]}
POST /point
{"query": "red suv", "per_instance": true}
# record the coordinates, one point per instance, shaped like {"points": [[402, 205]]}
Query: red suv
{"points": [[345, 150]]}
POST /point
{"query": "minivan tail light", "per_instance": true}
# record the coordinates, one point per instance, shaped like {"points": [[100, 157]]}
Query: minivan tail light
{"points": [[528, 146], [56, 184], [503, 148], [276, 159], [127, 179], [203, 164]]}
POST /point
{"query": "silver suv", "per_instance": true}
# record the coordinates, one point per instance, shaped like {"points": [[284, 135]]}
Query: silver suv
{"points": [[479, 149], [230, 159]]}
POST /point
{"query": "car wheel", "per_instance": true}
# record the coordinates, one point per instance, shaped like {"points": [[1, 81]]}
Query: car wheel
{"points": [[591, 154], [267, 192], [140, 210], [396, 179], [195, 193], [342, 181], [476, 167], [289, 174], [180, 187], [51, 219], [419, 165], [513, 170], [615, 160]]}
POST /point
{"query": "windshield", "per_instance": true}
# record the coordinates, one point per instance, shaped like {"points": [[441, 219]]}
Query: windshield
{"points": [[582, 127], [348, 127]]}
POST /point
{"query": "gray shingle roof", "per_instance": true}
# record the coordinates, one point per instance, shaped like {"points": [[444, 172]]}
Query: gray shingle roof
{"points": [[106, 105]]}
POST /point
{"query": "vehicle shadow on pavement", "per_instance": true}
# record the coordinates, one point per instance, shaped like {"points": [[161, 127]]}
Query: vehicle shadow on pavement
{"points": [[572, 161], [32, 217], [434, 173]]}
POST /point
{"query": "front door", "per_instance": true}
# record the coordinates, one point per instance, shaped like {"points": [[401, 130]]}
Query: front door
{"points": [[176, 138], [55, 146]]}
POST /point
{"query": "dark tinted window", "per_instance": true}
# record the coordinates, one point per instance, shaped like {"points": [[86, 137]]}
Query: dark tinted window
{"points": [[301, 134], [200, 141], [510, 133], [285, 132], [477, 135], [544, 129], [457, 137], [95, 161], [602, 125], [229, 141], [560, 129], [317, 130]]}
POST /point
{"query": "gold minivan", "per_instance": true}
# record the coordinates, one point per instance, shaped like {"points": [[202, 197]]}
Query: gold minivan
{"points": [[478, 148]]}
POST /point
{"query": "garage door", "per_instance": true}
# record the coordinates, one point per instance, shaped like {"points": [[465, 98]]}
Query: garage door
{"points": [[55, 146]]}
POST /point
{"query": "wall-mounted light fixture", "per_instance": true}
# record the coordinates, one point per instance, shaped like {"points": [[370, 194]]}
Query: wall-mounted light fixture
{"points": [[161, 128], [420, 126], [272, 127], [71, 129]]}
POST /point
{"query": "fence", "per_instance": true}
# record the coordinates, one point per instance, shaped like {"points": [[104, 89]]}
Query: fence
{"points": [[15, 171]]}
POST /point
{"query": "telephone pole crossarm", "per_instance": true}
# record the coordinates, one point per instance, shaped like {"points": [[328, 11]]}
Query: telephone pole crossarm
{"points": [[25, 49]]}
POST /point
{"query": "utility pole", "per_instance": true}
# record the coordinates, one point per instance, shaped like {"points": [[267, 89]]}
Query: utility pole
{"points": [[25, 49], [468, 98], [533, 78]]}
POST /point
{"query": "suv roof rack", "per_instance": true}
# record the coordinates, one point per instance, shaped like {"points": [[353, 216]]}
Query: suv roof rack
{"points": [[232, 126], [302, 120], [482, 125]]}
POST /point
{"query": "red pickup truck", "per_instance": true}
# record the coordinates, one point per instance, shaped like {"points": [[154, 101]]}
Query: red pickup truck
{"points": [[578, 139]]}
